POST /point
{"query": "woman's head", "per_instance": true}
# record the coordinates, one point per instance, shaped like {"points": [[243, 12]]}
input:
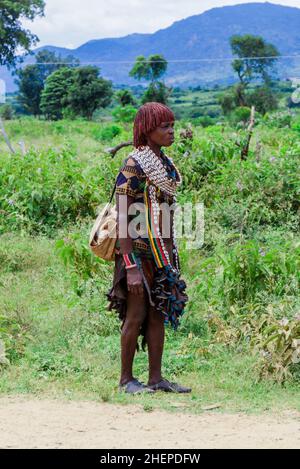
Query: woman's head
{"points": [[154, 122]]}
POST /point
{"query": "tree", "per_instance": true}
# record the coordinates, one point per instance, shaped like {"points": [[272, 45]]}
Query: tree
{"points": [[263, 99], [125, 98], [75, 91], [47, 62], [12, 35], [31, 79], [157, 92], [55, 93], [152, 69], [30, 88], [227, 103], [256, 60], [88, 91], [256, 57]]}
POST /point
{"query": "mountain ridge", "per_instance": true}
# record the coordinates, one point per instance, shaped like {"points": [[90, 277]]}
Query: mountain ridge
{"points": [[204, 36]]}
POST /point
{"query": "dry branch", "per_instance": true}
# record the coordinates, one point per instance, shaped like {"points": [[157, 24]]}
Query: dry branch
{"points": [[2, 129], [114, 150], [245, 149]]}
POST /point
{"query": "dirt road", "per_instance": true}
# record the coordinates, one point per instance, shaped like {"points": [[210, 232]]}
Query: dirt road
{"points": [[41, 423]]}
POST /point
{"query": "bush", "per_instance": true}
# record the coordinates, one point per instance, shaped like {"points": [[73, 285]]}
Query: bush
{"points": [[240, 114], [7, 112], [45, 190], [278, 343], [205, 121], [105, 134], [278, 119], [296, 124], [263, 99], [125, 114]]}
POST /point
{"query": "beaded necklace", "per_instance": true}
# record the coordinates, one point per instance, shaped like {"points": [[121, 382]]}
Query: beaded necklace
{"points": [[157, 177], [155, 171]]}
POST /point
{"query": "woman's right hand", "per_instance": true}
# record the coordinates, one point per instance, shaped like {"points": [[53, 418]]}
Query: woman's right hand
{"points": [[135, 281]]}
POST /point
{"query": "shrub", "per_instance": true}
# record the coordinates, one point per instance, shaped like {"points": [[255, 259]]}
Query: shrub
{"points": [[105, 134], [278, 119], [47, 189], [205, 121], [278, 344], [240, 114], [7, 112], [125, 114]]}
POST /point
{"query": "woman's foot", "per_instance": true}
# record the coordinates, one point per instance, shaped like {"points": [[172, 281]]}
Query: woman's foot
{"points": [[167, 386], [134, 386]]}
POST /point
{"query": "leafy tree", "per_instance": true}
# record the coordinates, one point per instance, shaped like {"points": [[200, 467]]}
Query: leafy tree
{"points": [[12, 35], [252, 63], [47, 62], [125, 98], [88, 91], [31, 79], [263, 99], [30, 88], [256, 60], [152, 69], [227, 102], [55, 93], [158, 92], [75, 91]]}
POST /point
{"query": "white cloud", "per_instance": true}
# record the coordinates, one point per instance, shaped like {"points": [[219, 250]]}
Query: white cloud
{"points": [[70, 23]]}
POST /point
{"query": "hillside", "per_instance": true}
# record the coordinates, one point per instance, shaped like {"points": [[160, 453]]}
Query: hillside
{"points": [[204, 36]]}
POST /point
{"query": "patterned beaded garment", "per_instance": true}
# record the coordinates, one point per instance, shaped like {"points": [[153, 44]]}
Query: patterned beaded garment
{"points": [[158, 179]]}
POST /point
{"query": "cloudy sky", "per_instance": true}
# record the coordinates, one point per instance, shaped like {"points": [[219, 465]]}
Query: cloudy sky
{"points": [[70, 23]]}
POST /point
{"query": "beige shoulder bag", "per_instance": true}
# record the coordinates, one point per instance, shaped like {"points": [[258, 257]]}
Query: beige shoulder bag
{"points": [[104, 232]]}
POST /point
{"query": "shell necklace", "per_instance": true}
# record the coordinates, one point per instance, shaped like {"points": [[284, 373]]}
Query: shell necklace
{"points": [[155, 171]]}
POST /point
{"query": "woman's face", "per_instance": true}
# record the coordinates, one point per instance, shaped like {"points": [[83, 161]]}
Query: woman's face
{"points": [[163, 135]]}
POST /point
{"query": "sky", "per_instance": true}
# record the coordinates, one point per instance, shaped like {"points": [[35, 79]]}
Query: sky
{"points": [[71, 23]]}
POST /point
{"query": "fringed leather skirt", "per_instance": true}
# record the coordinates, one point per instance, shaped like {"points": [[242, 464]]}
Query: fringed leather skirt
{"points": [[166, 292]]}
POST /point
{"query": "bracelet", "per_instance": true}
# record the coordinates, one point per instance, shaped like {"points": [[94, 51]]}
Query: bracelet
{"points": [[129, 259], [130, 266]]}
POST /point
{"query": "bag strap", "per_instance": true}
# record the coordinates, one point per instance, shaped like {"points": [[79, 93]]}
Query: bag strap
{"points": [[114, 189]]}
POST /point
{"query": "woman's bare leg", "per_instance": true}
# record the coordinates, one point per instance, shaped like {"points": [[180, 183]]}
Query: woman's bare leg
{"points": [[155, 336], [135, 315]]}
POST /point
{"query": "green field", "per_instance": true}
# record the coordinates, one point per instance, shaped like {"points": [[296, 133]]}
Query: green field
{"points": [[238, 341]]}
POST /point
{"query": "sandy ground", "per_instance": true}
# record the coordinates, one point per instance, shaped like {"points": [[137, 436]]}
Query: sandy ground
{"points": [[45, 423]]}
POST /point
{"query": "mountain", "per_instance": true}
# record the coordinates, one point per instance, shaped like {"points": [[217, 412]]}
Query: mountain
{"points": [[205, 36]]}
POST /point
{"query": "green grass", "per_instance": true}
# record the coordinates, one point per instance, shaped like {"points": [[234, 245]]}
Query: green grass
{"points": [[68, 353], [59, 337]]}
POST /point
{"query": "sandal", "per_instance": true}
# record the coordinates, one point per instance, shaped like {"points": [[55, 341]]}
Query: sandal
{"points": [[167, 386], [135, 387]]}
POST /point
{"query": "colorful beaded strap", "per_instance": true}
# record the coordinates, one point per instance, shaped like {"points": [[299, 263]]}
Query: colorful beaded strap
{"points": [[159, 251]]}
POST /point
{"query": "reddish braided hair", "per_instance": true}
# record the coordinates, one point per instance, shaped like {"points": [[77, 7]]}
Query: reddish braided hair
{"points": [[148, 117]]}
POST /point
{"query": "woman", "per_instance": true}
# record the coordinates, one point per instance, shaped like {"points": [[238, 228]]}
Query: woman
{"points": [[147, 291]]}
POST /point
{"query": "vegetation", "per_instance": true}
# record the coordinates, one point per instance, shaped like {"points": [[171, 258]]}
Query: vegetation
{"points": [[31, 79], [152, 69], [12, 34], [241, 327], [239, 340]]}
